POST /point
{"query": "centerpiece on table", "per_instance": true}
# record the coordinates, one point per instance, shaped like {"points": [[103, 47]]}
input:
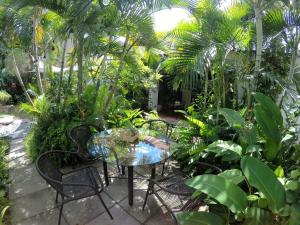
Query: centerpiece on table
{"points": [[124, 135]]}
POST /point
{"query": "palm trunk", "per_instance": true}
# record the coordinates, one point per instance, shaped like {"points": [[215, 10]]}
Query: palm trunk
{"points": [[205, 87], [292, 66], [35, 48], [80, 69], [259, 38], [120, 68], [258, 57], [20, 80], [62, 72]]}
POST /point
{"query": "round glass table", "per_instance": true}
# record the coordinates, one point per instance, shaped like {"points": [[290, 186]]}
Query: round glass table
{"points": [[118, 146]]}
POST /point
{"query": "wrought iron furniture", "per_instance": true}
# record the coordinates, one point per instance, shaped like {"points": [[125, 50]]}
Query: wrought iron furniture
{"points": [[147, 152], [73, 185], [172, 191], [80, 135], [163, 127], [159, 128]]}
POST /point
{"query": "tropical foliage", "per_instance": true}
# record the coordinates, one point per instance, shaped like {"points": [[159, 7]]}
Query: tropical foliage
{"points": [[96, 61]]}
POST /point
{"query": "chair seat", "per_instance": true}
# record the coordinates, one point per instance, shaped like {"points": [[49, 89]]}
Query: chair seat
{"points": [[83, 176], [176, 183]]}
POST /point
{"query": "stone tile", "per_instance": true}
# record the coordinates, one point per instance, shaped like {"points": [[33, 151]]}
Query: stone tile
{"points": [[120, 218], [16, 142], [161, 217], [25, 181], [31, 205], [16, 148], [20, 162], [15, 154], [49, 217], [84, 210], [117, 189], [136, 211]]}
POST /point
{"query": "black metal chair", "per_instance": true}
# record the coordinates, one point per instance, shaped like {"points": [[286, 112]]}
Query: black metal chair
{"points": [[73, 185], [161, 129], [80, 135], [172, 191]]}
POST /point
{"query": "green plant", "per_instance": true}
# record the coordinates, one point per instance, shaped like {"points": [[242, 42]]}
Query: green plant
{"points": [[269, 127], [4, 97], [263, 202], [4, 203]]}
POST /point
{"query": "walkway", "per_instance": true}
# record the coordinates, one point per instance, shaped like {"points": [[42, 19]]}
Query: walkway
{"points": [[33, 200]]}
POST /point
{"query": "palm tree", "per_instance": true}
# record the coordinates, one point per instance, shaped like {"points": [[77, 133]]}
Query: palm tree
{"points": [[203, 47]]}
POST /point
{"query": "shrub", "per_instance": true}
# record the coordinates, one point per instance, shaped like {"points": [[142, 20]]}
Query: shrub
{"points": [[4, 97]]}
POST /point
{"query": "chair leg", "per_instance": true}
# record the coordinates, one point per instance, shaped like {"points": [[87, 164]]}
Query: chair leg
{"points": [[105, 206], [146, 197], [60, 213], [163, 169], [56, 198]]}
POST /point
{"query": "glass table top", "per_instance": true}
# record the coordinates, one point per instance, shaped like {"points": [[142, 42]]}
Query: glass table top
{"points": [[144, 150]]}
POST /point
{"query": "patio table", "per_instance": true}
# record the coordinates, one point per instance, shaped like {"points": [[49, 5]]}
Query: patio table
{"points": [[145, 151]]}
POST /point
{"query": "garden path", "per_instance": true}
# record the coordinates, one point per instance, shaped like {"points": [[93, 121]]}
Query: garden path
{"points": [[32, 200]]}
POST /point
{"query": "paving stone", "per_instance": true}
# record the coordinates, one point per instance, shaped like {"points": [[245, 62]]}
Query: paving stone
{"points": [[15, 142], [120, 218], [15, 154], [136, 211], [31, 205], [16, 147], [49, 217], [117, 189], [161, 217], [25, 181], [20, 162], [84, 210]]}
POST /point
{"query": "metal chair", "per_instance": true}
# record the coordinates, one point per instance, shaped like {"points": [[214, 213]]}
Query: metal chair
{"points": [[80, 135], [73, 185], [172, 191], [162, 129]]}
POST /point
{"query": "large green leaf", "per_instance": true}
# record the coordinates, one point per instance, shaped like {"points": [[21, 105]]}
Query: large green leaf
{"points": [[258, 216], [233, 118], [199, 218], [233, 175], [227, 149], [220, 189], [260, 176], [269, 106], [269, 123]]}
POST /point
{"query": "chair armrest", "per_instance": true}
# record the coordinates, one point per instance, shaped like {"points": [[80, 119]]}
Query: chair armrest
{"points": [[75, 170], [208, 165], [170, 190]]}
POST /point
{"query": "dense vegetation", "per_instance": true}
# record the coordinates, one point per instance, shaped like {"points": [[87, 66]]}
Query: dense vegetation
{"points": [[4, 204], [101, 58]]}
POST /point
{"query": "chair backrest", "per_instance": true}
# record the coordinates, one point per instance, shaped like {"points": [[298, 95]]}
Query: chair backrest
{"points": [[80, 136], [48, 166], [160, 126]]}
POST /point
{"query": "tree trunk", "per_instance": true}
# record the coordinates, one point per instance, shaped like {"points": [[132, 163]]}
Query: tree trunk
{"points": [[258, 57], [62, 71], [205, 86], [35, 49], [259, 38], [292, 66], [80, 69], [20, 80], [120, 68]]}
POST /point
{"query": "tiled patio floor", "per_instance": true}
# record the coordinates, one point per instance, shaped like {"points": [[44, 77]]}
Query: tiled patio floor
{"points": [[33, 200]]}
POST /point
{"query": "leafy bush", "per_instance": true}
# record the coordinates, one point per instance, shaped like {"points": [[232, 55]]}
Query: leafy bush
{"points": [[4, 97]]}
